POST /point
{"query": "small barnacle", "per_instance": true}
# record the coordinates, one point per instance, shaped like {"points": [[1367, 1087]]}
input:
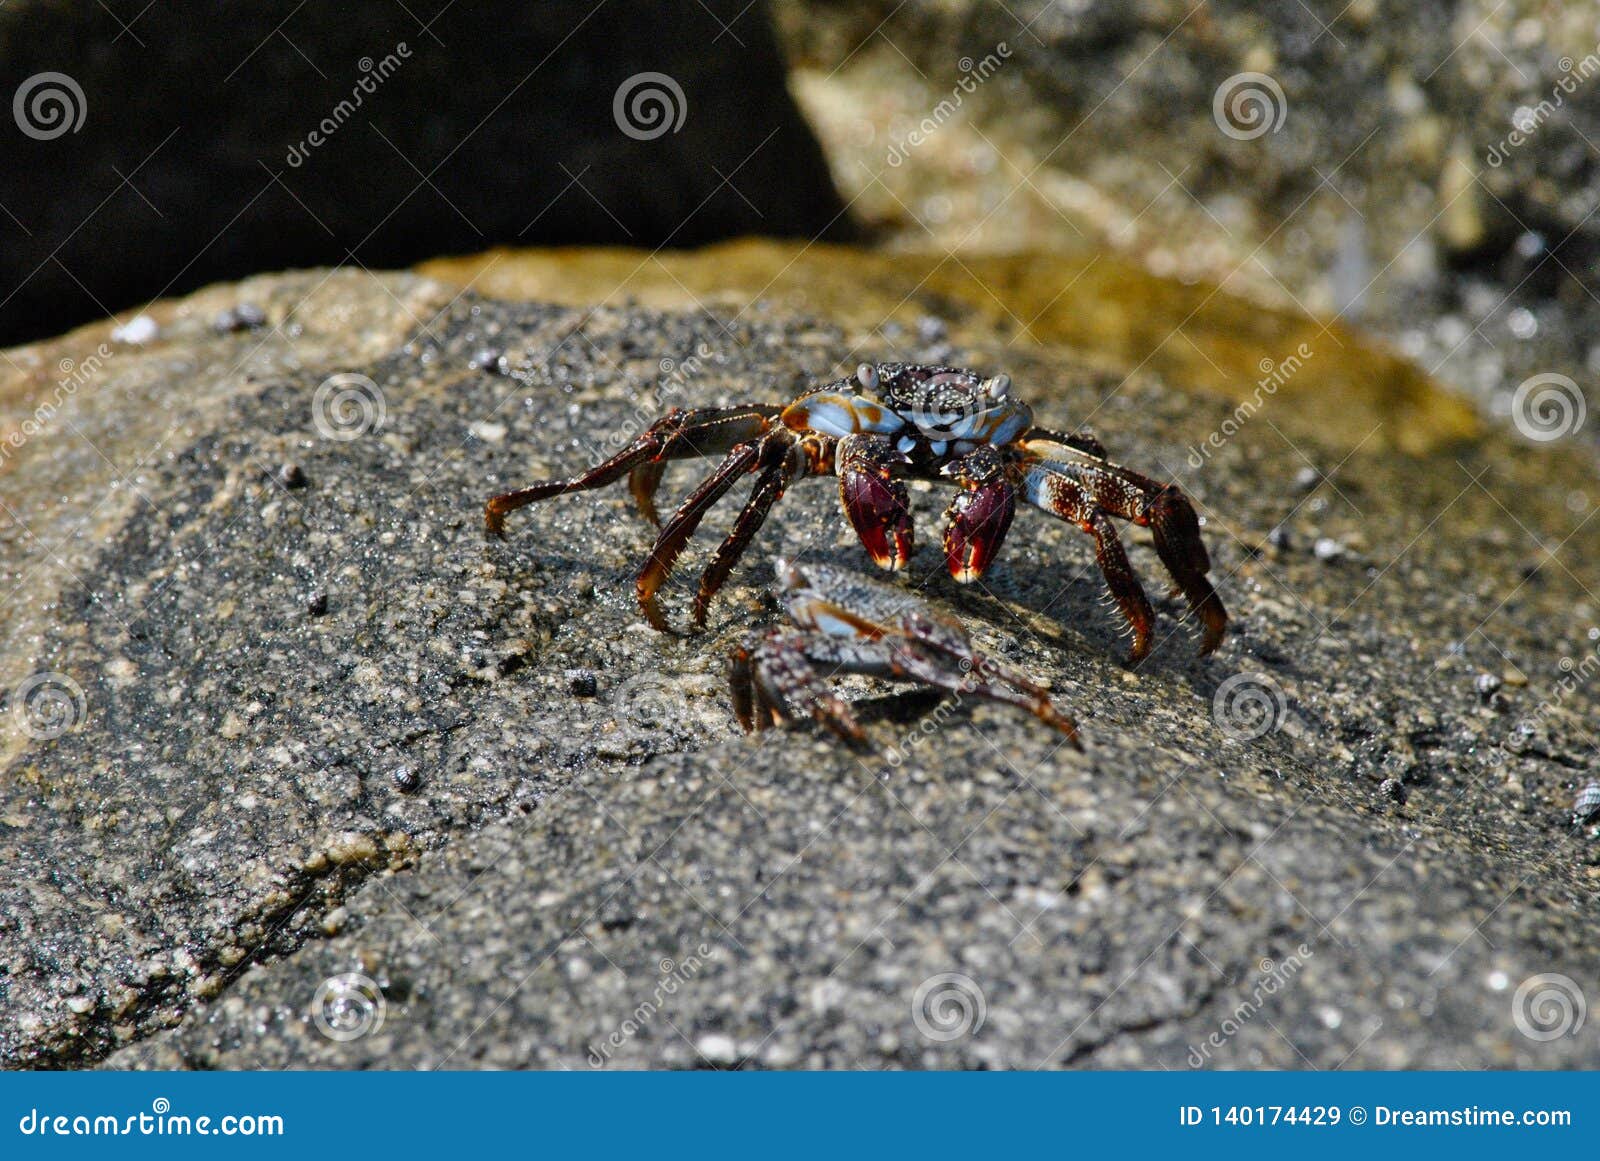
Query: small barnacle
{"points": [[1587, 805]]}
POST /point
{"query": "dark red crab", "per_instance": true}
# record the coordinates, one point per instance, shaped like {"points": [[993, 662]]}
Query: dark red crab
{"points": [[887, 423]]}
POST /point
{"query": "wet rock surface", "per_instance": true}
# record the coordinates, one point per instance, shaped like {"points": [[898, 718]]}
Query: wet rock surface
{"points": [[326, 729]]}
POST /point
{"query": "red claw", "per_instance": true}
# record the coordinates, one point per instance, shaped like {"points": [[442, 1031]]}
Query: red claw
{"points": [[880, 511], [978, 520]]}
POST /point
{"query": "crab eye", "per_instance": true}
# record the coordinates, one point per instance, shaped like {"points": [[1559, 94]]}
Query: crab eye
{"points": [[1000, 387], [867, 376]]}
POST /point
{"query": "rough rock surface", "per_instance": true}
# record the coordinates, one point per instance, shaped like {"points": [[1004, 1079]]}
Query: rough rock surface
{"points": [[326, 729], [194, 142], [1427, 170]]}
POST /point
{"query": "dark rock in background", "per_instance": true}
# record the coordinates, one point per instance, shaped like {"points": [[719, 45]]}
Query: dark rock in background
{"points": [[498, 127]]}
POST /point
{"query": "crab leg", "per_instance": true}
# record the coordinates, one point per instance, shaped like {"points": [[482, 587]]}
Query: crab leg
{"points": [[1176, 529], [1077, 440], [1056, 493], [785, 664], [643, 482], [1162, 508], [677, 435], [986, 679], [777, 469], [783, 679], [677, 531]]}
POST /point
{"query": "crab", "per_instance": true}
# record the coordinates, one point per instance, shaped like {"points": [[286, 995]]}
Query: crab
{"points": [[847, 623], [887, 423]]}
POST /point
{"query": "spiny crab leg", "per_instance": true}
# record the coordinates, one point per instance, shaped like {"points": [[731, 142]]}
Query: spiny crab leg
{"points": [[1084, 489], [677, 531], [780, 460], [677, 435]]}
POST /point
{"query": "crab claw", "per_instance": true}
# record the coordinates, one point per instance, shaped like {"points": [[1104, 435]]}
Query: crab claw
{"points": [[880, 512], [976, 524]]}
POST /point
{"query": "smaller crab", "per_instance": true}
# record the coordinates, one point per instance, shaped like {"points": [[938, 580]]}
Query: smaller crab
{"points": [[849, 624]]}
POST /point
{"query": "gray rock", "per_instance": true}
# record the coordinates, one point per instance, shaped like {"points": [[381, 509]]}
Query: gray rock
{"points": [[212, 864]]}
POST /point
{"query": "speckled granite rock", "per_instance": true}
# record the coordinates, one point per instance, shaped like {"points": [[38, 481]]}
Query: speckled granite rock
{"points": [[326, 729]]}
